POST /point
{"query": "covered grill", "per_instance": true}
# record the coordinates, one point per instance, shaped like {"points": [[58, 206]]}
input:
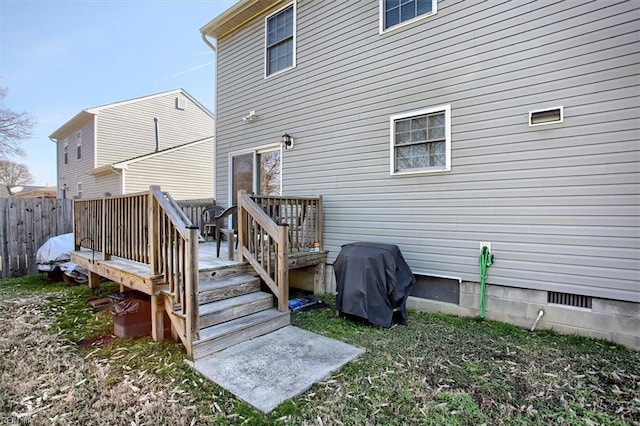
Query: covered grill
{"points": [[373, 282]]}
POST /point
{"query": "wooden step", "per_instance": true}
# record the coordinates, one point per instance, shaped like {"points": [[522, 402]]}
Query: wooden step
{"points": [[226, 271], [236, 285], [222, 336], [235, 307]]}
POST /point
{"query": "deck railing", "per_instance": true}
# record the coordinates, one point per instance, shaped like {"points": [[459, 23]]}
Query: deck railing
{"points": [[303, 215], [150, 228], [269, 227], [173, 242]]}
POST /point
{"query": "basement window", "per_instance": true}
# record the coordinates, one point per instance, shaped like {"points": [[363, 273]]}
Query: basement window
{"points": [[546, 116], [568, 299]]}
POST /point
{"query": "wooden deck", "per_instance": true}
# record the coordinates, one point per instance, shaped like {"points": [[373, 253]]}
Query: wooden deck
{"points": [[145, 242], [307, 271]]}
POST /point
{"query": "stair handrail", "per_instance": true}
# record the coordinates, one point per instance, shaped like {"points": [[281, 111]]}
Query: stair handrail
{"points": [[264, 244], [173, 253]]}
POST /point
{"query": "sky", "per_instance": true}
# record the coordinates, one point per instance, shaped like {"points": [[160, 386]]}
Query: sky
{"points": [[60, 57]]}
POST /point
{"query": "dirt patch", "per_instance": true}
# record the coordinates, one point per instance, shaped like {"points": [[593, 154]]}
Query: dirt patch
{"points": [[47, 380]]}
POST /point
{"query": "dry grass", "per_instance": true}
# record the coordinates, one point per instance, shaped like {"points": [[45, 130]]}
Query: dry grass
{"points": [[438, 370]]}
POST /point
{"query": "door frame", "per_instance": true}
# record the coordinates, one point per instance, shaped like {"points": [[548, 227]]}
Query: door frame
{"points": [[255, 151]]}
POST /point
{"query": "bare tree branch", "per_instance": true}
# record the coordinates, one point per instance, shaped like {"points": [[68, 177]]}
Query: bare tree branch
{"points": [[14, 128], [12, 174]]}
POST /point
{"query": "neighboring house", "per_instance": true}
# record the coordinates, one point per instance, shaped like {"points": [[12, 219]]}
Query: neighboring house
{"points": [[33, 191], [164, 139], [442, 125]]}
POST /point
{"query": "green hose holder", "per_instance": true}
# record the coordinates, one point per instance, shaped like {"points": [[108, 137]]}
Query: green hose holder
{"points": [[485, 260]]}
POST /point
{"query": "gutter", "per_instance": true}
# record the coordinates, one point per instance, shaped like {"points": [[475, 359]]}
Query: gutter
{"points": [[208, 43]]}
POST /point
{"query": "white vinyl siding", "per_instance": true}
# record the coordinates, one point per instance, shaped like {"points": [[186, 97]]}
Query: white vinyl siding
{"points": [[280, 40], [74, 170], [558, 203], [128, 130], [186, 173]]}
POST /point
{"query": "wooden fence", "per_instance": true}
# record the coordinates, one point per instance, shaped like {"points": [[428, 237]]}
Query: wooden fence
{"points": [[26, 224]]}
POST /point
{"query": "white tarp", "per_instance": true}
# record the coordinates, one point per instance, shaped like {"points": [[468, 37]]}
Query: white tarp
{"points": [[54, 252]]}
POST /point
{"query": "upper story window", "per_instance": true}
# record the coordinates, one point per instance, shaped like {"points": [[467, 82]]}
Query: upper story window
{"points": [[396, 12], [65, 149], [280, 40], [79, 145], [421, 141]]}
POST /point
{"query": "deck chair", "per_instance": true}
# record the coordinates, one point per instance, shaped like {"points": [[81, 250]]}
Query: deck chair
{"points": [[208, 221], [231, 234]]}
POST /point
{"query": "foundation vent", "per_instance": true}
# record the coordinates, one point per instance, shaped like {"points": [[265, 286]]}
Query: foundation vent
{"points": [[546, 116], [569, 299]]}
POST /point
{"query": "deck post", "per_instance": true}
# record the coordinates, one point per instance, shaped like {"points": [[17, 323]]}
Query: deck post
{"points": [[154, 231], [191, 288], [319, 220], [103, 230], [283, 268], [157, 317], [94, 280], [241, 225]]}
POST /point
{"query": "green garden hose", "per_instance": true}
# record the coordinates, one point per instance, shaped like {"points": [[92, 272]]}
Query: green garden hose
{"points": [[485, 260]]}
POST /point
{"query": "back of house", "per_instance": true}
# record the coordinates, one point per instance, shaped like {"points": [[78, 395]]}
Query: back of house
{"points": [[445, 126]]}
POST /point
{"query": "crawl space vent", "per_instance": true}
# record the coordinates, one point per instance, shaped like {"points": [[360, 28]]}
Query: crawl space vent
{"points": [[181, 103], [546, 116], [569, 299]]}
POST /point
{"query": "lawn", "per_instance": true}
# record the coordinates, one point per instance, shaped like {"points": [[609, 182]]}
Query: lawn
{"points": [[59, 365]]}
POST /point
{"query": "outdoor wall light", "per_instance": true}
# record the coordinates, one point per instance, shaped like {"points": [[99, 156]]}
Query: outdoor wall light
{"points": [[287, 141]]}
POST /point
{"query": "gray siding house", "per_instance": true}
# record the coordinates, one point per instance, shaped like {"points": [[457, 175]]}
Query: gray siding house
{"points": [[442, 126], [112, 148]]}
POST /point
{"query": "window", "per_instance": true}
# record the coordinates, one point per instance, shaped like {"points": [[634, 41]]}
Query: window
{"points": [[396, 12], [421, 141], [79, 145], [79, 190], [65, 149], [280, 40]]}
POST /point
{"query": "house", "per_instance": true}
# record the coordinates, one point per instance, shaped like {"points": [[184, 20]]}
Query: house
{"points": [[448, 126], [124, 147]]}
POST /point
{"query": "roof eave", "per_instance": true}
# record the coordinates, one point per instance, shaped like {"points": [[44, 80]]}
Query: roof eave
{"points": [[78, 119], [236, 16]]}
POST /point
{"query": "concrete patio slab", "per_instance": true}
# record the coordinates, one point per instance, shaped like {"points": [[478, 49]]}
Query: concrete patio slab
{"points": [[270, 369]]}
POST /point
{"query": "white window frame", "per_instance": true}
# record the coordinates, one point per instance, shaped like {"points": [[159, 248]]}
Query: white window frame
{"points": [[79, 145], [79, 189], [295, 39], [65, 151], [383, 30], [447, 134]]}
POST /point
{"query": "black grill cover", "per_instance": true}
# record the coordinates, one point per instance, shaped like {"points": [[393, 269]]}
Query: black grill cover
{"points": [[373, 281]]}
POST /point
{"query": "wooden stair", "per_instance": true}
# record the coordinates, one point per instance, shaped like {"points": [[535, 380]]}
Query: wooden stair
{"points": [[233, 309]]}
